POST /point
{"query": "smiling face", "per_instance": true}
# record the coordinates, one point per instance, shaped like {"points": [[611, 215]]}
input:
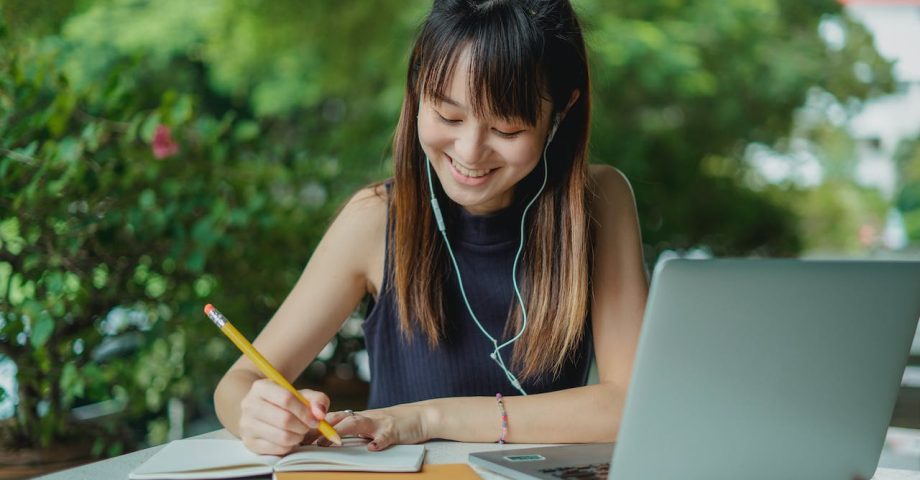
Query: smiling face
{"points": [[478, 158]]}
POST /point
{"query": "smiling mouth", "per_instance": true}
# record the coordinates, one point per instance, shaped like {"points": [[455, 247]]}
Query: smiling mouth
{"points": [[466, 172]]}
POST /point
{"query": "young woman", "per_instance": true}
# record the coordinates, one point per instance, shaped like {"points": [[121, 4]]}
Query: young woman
{"points": [[498, 261]]}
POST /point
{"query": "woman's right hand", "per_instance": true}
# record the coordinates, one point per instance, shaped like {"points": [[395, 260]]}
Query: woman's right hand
{"points": [[274, 422]]}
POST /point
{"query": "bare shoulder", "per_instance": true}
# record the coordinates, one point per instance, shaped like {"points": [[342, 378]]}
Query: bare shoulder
{"points": [[610, 189], [363, 218], [360, 227], [368, 204]]}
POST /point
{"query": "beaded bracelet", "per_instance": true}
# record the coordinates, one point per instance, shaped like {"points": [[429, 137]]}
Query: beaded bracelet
{"points": [[501, 409]]}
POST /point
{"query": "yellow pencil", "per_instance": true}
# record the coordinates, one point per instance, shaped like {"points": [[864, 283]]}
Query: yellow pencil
{"points": [[240, 341]]}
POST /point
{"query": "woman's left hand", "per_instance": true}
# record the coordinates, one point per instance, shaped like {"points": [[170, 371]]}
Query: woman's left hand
{"points": [[402, 424]]}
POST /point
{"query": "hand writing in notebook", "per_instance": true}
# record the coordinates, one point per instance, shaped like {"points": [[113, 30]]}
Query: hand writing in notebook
{"points": [[274, 422], [384, 427]]}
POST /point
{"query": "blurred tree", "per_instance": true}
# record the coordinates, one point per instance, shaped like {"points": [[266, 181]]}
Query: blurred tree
{"points": [[907, 198], [35, 18], [125, 206], [328, 72], [836, 215], [683, 88]]}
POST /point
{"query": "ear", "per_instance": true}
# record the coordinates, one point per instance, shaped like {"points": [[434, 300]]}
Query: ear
{"points": [[576, 94], [557, 119]]}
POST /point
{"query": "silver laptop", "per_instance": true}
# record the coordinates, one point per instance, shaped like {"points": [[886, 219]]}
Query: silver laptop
{"points": [[754, 369]]}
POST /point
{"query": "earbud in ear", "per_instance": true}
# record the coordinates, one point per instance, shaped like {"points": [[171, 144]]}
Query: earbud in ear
{"points": [[552, 130]]}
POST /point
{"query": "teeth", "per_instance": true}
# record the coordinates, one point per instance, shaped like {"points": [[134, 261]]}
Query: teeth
{"points": [[467, 172]]}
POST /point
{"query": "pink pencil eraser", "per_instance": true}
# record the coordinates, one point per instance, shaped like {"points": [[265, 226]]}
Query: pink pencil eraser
{"points": [[208, 308]]}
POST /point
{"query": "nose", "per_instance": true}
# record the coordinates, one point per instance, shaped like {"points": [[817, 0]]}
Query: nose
{"points": [[471, 146]]}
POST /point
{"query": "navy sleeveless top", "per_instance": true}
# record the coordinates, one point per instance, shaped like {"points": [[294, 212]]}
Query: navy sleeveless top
{"points": [[407, 371]]}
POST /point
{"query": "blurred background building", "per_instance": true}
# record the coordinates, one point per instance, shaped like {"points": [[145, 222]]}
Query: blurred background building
{"points": [[886, 123]]}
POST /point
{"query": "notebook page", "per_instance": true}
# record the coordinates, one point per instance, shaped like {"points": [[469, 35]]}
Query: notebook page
{"points": [[204, 458], [398, 458]]}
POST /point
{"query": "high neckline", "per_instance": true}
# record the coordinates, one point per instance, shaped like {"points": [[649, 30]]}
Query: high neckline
{"points": [[500, 226], [491, 228]]}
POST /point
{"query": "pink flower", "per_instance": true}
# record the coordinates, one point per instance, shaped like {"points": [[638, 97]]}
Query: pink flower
{"points": [[163, 144]]}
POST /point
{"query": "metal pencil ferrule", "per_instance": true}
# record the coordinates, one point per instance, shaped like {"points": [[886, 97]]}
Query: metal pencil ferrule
{"points": [[218, 318]]}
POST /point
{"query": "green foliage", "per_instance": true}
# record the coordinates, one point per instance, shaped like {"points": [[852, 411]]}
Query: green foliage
{"points": [[907, 198], [681, 88], [279, 110], [34, 18], [832, 214], [108, 253], [336, 66]]}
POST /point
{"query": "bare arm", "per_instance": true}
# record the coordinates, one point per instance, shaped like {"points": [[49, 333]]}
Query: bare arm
{"points": [[329, 289]]}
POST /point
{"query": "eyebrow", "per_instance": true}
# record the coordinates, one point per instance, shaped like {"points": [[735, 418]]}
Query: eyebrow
{"points": [[451, 101], [448, 100]]}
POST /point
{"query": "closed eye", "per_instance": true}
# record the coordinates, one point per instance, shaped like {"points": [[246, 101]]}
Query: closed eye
{"points": [[500, 133], [507, 134], [446, 120]]}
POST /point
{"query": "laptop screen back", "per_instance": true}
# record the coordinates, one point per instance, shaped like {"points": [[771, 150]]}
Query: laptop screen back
{"points": [[767, 369]]}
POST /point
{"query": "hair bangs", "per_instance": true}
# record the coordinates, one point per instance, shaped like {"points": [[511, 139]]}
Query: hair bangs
{"points": [[505, 55]]}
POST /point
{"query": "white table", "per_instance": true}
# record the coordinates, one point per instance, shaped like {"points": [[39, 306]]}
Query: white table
{"points": [[438, 452]]}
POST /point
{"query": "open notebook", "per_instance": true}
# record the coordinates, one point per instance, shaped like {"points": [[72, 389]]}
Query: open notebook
{"points": [[213, 458]]}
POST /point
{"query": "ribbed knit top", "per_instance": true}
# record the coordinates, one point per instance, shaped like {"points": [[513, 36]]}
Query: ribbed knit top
{"points": [[407, 371]]}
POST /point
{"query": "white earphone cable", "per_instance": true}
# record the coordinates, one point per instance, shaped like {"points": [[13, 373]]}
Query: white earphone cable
{"points": [[496, 352]]}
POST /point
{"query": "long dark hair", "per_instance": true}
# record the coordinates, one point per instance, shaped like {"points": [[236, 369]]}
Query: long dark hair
{"points": [[521, 52]]}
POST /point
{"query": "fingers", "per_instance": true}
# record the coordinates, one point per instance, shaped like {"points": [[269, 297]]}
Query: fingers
{"points": [[384, 438], [351, 424], [274, 421], [333, 418], [279, 418], [266, 439], [380, 429], [311, 437], [273, 393], [319, 403]]}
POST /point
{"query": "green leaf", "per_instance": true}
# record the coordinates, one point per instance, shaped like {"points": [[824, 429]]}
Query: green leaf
{"points": [[6, 272], [20, 290], [54, 282], [100, 275], [181, 110], [149, 127], [91, 136], [9, 229], [61, 111], [72, 384], [42, 331], [133, 128], [195, 261], [156, 286], [115, 449], [98, 447], [246, 130], [204, 285], [148, 199], [71, 283], [69, 150]]}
